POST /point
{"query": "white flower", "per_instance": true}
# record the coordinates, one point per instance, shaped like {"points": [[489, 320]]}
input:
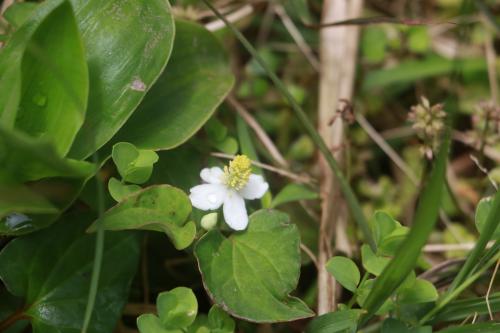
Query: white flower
{"points": [[229, 187]]}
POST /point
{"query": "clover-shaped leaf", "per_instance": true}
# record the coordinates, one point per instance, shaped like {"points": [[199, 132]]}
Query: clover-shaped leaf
{"points": [[134, 165]]}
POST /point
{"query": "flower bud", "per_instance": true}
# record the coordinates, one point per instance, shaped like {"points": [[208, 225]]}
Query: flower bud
{"points": [[209, 221]]}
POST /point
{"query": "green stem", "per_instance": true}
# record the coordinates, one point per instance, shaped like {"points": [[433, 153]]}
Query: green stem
{"points": [[355, 295], [351, 199], [99, 249]]}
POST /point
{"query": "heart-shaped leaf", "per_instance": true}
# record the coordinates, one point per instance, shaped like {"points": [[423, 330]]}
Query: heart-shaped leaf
{"points": [[194, 83], [128, 44], [134, 165], [251, 273], [119, 191], [51, 270], [159, 208], [177, 308], [421, 291]]}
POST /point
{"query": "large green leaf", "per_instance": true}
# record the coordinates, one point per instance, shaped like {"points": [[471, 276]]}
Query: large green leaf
{"points": [[159, 208], [128, 44], [24, 158], [51, 271], [251, 273], [54, 85], [425, 218], [194, 83]]}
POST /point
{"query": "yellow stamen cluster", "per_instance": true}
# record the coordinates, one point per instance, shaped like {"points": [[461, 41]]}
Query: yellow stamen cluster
{"points": [[237, 174]]}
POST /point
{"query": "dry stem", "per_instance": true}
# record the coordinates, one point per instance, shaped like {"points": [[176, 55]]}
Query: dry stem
{"points": [[338, 50]]}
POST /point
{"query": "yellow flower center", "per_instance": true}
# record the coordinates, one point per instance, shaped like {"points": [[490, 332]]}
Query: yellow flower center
{"points": [[237, 174]]}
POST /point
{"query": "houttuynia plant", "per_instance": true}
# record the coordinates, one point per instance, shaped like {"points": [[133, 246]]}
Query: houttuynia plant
{"points": [[271, 166]]}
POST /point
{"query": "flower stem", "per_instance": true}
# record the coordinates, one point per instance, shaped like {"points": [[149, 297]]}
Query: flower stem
{"points": [[99, 249]]}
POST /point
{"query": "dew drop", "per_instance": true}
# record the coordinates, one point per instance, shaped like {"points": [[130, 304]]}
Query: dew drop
{"points": [[17, 221]]}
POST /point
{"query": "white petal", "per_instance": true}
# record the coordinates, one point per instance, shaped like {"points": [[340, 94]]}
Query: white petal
{"points": [[207, 196], [235, 212], [255, 188], [212, 175]]}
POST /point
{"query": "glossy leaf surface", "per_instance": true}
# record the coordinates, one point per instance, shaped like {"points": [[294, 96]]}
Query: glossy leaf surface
{"points": [[251, 273]]}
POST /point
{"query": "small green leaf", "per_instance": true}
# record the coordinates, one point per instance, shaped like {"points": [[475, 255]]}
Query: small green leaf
{"points": [[219, 321], [134, 165], [421, 291], [372, 263], [51, 271], [293, 192], [177, 308], [228, 146], [161, 208], [482, 211], [392, 242], [149, 323], [418, 39], [251, 273], [335, 322], [119, 191], [345, 271], [383, 224]]}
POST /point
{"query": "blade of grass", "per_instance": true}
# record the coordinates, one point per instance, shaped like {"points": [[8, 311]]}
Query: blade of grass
{"points": [[458, 310], [426, 216], [448, 297], [351, 199], [472, 259]]}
